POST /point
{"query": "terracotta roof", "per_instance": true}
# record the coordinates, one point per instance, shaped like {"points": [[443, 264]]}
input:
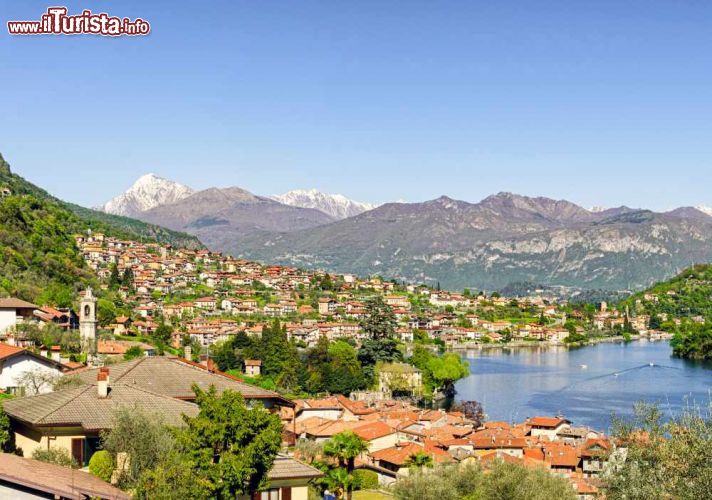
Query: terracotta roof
{"points": [[172, 376], [373, 430], [399, 454], [82, 406], [560, 455], [546, 421], [13, 303], [56, 480], [7, 350]]}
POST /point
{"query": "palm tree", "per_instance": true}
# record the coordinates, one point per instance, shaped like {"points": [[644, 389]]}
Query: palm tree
{"points": [[345, 447], [420, 459]]}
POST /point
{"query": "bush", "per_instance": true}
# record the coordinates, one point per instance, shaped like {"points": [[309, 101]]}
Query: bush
{"points": [[57, 456], [101, 465], [365, 479]]}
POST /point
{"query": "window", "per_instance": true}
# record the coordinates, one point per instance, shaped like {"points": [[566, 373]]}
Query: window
{"points": [[272, 494]]}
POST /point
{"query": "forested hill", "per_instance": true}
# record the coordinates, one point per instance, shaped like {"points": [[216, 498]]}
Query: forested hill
{"points": [[682, 305], [39, 260], [122, 227]]}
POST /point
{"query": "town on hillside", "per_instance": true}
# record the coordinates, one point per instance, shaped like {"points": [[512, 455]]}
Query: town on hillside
{"points": [[330, 355]]}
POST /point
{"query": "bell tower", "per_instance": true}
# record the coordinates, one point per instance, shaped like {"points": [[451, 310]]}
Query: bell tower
{"points": [[87, 323]]}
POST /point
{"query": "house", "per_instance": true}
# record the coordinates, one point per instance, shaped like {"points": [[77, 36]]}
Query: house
{"points": [[253, 367], [174, 377], [288, 480], [396, 378], [327, 306], [65, 318], [118, 348], [393, 462], [14, 311], [207, 303], [74, 418], [24, 478], [15, 362], [378, 435], [122, 325], [547, 426]]}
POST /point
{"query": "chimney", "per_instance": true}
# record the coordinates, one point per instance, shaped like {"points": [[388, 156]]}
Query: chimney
{"points": [[188, 353], [43, 351], [102, 383], [211, 365], [56, 353]]}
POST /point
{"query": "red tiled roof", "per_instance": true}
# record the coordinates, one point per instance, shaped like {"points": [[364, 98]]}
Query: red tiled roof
{"points": [[550, 422], [373, 430]]}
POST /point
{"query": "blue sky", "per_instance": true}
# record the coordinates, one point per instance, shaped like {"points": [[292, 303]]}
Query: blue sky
{"points": [[603, 103]]}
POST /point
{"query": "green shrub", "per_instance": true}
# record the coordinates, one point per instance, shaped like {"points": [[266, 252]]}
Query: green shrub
{"points": [[365, 479], [101, 465], [57, 456]]}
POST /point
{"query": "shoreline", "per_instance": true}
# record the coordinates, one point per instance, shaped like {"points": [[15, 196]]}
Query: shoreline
{"points": [[538, 344]]}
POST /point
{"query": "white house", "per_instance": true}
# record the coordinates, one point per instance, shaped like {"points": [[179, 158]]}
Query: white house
{"points": [[16, 362], [14, 311]]}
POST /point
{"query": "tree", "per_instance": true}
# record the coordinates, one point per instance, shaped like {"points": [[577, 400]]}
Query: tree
{"points": [[162, 334], [663, 460], [504, 481], [140, 435], [344, 371], [542, 319], [172, 478], [114, 277], [229, 445], [7, 438], [446, 370], [654, 322], [37, 380], [345, 447], [127, 279], [419, 460], [472, 410], [133, 352], [379, 321]]}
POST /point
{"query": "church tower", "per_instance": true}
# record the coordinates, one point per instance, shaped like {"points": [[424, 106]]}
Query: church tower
{"points": [[87, 323]]}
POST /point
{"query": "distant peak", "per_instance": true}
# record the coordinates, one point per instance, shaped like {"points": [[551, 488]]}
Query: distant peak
{"points": [[149, 191], [335, 205]]}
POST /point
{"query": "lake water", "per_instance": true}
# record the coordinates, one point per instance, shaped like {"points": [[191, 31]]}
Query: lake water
{"points": [[516, 383]]}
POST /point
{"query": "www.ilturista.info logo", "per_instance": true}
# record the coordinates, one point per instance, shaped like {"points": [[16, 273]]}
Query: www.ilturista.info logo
{"points": [[57, 22]]}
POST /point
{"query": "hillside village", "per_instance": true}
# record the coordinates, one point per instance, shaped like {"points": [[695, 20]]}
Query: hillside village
{"points": [[200, 300], [209, 296]]}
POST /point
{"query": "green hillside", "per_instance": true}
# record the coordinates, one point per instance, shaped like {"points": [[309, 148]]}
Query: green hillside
{"points": [[688, 298], [39, 260], [122, 227]]}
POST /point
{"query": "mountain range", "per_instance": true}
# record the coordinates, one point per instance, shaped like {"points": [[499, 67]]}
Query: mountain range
{"points": [[502, 239]]}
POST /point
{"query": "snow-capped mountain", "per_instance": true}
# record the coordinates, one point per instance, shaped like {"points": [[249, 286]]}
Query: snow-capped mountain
{"points": [[704, 209], [148, 192], [336, 205]]}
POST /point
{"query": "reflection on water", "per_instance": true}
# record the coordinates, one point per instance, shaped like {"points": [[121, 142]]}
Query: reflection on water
{"points": [[586, 384]]}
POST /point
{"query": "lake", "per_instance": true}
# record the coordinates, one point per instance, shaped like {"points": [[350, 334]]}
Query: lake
{"points": [[515, 383]]}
